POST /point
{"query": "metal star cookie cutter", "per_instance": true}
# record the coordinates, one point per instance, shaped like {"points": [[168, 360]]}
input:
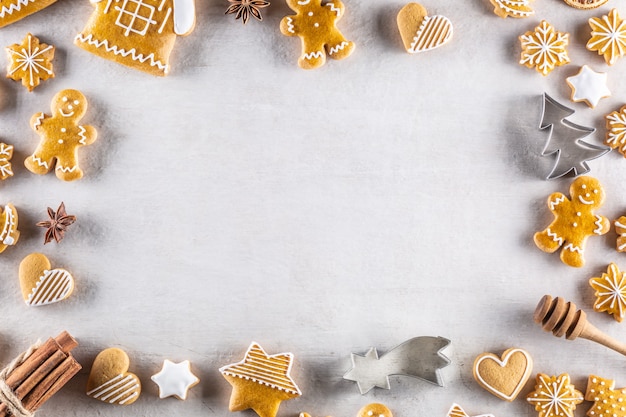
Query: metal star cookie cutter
{"points": [[419, 357], [565, 140]]}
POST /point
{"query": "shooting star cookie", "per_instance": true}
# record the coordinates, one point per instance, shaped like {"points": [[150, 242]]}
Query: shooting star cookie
{"points": [[419, 357]]}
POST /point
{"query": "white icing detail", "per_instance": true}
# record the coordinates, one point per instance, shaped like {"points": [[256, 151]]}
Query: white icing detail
{"points": [[503, 363], [337, 10], [66, 169], [338, 48], [70, 114], [175, 379], [167, 17], [457, 411], [5, 165], [304, 2], [290, 27], [123, 52], [582, 200], [555, 237], [38, 120], [184, 16], [9, 227], [311, 55], [132, 19], [81, 133], [573, 248], [29, 59], [107, 7], [117, 388], [556, 202], [5, 149], [40, 162], [504, 5], [53, 286], [433, 32], [598, 223], [14, 7]]}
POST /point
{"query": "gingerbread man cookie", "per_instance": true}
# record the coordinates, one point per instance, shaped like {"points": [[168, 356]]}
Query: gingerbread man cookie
{"points": [[574, 221], [61, 136], [315, 24]]}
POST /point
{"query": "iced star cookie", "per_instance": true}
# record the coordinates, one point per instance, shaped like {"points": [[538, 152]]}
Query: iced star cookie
{"points": [[608, 36], [41, 285], [6, 153], [607, 401], [503, 376], [316, 26], [61, 136], [512, 8], [610, 292], [421, 32], [260, 381], [30, 62], [544, 48], [585, 4], [588, 86], [9, 234], [13, 10], [109, 380], [554, 396], [574, 221], [137, 33], [175, 379]]}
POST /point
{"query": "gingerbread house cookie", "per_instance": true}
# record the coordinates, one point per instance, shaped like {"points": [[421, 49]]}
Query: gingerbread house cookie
{"points": [[13, 10]]}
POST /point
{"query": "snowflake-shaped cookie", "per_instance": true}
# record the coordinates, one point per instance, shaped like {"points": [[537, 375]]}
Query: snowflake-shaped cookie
{"points": [[544, 48], [610, 292], [6, 153], [554, 396], [616, 130], [30, 62], [608, 36]]}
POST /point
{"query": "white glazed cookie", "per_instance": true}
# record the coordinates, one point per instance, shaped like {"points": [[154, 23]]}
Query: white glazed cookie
{"points": [[175, 379]]}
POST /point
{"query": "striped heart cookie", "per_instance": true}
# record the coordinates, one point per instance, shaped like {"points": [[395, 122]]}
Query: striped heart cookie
{"points": [[41, 284], [421, 32], [109, 380]]}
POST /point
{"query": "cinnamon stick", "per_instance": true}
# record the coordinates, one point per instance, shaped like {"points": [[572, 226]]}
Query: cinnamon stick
{"points": [[34, 361], [52, 383], [40, 373]]}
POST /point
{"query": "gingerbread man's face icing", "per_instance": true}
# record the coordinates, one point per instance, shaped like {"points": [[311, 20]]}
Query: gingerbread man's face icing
{"points": [[587, 191], [70, 104]]}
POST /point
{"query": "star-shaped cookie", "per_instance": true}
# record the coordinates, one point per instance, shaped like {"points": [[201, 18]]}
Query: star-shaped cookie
{"points": [[610, 292], [30, 62], [175, 379], [555, 396], [260, 381], [588, 86]]}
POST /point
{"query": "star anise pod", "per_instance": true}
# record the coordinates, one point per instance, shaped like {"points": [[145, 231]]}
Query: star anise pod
{"points": [[58, 223], [246, 8]]}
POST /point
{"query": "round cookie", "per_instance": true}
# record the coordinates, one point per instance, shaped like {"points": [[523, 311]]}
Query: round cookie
{"points": [[374, 410]]}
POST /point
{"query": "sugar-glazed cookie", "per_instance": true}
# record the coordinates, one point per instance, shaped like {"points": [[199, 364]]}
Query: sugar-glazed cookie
{"points": [[61, 136], [41, 285], [610, 292], [607, 401], [588, 86], [421, 32], [260, 381], [30, 62], [109, 380], [555, 396], [315, 24], [608, 36], [175, 379], [13, 10], [544, 48], [503, 376], [574, 221], [137, 33]]}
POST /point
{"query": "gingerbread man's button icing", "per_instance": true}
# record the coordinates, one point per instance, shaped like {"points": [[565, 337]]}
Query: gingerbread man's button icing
{"points": [[137, 33], [61, 136], [574, 221], [315, 24]]}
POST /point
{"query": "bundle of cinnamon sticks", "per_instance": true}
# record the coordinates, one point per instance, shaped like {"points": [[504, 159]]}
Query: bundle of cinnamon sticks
{"points": [[43, 373]]}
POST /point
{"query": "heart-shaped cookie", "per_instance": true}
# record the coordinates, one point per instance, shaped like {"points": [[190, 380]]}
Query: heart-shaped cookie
{"points": [[503, 377], [41, 284], [109, 379], [421, 32]]}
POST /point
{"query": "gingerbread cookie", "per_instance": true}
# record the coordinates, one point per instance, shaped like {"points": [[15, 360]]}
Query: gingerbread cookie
{"points": [[61, 136], [421, 32], [544, 48], [175, 379], [30, 62], [109, 380], [9, 234], [503, 377], [607, 401], [574, 221], [13, 10], [374, 410], [512, 8], [315, 24], [585, 4], [620, 228], [554, 396], [41, 285], [260, 381], [616, 130], [137, 33], [608, 36], [6, 153], [610, 292]]}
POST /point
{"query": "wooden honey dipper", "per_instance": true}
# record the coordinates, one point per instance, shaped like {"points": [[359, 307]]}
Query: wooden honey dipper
{"points": [[563, 318]]}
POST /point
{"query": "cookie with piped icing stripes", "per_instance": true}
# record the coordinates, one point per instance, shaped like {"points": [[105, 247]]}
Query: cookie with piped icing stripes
{"points": [[13, 10], [42, 285], [109, 379], [8, 223], [420, 32]]}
